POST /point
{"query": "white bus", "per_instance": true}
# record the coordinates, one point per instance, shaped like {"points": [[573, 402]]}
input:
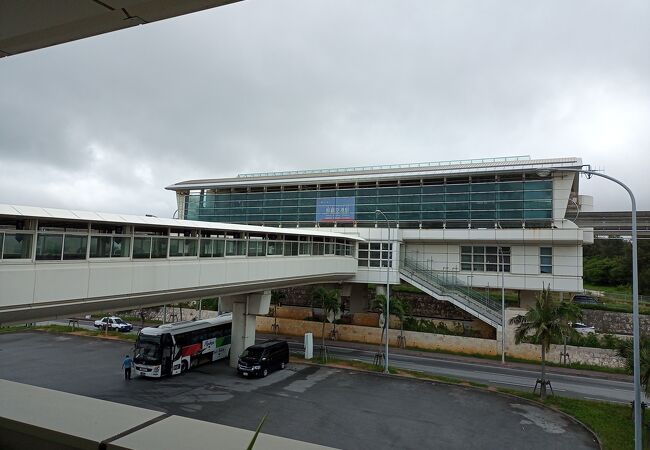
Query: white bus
{"points": [[173, 348]]}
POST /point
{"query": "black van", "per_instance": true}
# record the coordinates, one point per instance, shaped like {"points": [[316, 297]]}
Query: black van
{"points": [[260, 359]]}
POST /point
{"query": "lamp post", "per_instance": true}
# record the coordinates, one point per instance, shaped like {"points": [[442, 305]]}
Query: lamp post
{"points": [[635, 295], [388, 262], [503, 305]]}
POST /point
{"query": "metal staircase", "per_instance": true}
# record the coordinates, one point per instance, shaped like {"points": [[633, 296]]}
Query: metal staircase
{"points": [[447, 286]]}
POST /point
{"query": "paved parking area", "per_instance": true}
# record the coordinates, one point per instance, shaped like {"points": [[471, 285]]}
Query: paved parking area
{"points": [[334, 407]]}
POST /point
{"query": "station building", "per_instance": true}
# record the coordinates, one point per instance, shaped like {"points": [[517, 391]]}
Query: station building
{"points": [[458, 225]]}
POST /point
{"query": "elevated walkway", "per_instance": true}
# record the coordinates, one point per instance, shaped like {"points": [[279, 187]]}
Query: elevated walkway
{"points": [[446, 286], [58, 263]]}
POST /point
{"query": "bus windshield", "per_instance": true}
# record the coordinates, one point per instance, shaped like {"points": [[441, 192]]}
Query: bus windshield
{"points": [[147, 350]]}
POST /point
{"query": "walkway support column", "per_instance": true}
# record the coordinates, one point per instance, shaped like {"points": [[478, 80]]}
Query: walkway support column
{"points": [[244, 310]]}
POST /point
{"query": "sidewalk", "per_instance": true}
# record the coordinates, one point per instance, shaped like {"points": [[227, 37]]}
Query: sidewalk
{"points": [[457, 358]]}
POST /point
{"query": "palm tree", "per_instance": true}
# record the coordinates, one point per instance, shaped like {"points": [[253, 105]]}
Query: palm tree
{"points": [[276, 298], [330, 303], [397, 308], [545, 322], [626, 351]]}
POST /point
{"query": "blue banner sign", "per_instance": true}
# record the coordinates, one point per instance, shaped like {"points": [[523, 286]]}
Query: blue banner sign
{"points": [[335, 209]]}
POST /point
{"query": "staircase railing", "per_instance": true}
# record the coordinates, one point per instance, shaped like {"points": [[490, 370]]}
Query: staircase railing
{"points": [[448, 284]]}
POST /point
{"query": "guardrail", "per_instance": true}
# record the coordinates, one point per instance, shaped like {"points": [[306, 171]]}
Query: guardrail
{"points": [[448, 284]]}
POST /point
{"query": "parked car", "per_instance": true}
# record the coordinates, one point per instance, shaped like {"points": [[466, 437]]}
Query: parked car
{"points": [[260, 359], [114, 323], [584, 299], [583, 329]]}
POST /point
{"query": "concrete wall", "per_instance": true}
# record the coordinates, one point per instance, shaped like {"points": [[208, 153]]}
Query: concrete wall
{"points": [[372, 335], [430, 341]]}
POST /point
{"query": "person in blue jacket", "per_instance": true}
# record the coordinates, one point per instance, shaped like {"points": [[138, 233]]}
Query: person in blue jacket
{"points": [[126, 365]]}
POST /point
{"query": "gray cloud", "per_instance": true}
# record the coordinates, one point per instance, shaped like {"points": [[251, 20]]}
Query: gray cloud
{"points": [[105, 123]]}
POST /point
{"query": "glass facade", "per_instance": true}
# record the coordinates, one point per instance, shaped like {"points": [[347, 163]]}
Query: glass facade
{"points": [[453, 203]]}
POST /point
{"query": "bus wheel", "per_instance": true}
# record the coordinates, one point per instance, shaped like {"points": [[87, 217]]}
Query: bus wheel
{"points": [[184, 366], [265, 372]]}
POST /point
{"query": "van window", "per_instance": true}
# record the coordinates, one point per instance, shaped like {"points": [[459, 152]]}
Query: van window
{"points": [[252, 353]]}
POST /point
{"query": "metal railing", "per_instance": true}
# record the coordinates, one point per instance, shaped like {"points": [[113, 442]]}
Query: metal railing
{"points": [[448, 283], [386, 166]]}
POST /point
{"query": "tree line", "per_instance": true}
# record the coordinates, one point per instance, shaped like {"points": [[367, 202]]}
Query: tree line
{"points": [[608, 262]]}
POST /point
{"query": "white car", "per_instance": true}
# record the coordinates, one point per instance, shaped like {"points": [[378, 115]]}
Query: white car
{"points": [[583, 329], [114, 323]]}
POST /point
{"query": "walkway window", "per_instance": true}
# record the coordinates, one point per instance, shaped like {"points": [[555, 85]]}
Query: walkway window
{"points": [[110, 246], [290, 246], [235, 245], [159, 247], [141, 247], [275, 245], [256, 246], [318, 246], [16, 246], [74, 246], [546, 260], [206, 248], [484, 259], [110, 241], [212, 248], [121, 247], [305, 246], [100, 246], [49, 247], [182, 247], [329, 246]]}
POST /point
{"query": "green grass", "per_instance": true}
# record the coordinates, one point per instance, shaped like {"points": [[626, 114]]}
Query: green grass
{"points": [[612, 423], [617, 301], [621, 290], [618, 307], [14, 329]]}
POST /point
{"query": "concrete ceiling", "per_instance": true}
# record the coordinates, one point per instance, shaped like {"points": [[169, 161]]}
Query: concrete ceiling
{"points": [[27, 25]]}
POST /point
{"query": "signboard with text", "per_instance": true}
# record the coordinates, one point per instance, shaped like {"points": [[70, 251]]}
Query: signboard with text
{"points": [[335, 209]]}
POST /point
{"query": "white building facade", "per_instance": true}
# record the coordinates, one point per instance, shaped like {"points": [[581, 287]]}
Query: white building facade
{"points": [[469, 224]]}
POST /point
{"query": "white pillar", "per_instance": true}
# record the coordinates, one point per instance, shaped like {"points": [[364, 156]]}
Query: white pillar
{"points": [[244, 310]]}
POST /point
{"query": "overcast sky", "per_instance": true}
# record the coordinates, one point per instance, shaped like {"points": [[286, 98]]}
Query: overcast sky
{"points": [[106, 123]]}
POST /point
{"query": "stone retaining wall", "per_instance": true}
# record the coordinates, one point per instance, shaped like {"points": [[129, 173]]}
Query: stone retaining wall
{"points": [[614, 322], [431, 341]]}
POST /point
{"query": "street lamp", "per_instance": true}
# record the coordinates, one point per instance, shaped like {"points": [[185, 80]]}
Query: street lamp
{"points": [[390, 254], [503, 305], [635, 294]]}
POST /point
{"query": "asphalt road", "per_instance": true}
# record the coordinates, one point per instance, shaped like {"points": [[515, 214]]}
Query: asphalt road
{"points": [[595, 386], [334, 407]]}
